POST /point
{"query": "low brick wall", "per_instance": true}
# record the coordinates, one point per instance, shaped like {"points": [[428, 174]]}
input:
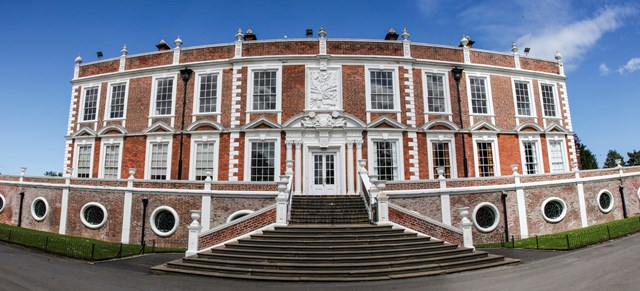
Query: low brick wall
{"points": [[238, 228], [407, 219]]}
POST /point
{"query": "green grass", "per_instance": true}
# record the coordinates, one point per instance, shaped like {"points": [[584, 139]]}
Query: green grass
{"points": [[74, 247], [577, 238]]}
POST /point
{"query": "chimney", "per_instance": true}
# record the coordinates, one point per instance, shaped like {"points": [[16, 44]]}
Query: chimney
{"points": [[308, 33], [391, 35], [469, 42], [163, 46], [249, 35]]}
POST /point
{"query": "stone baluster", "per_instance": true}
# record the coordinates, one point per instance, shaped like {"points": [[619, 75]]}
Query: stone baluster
{"points": [[194, 233], [467, 235]]}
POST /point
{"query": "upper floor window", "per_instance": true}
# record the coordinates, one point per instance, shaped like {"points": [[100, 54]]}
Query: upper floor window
{"points": [[548, 100], [164, 96], [523, 100], [263, 166], [479, 97], [382, 89], [386, 160], [265, 90], [436, 93], [208, 93], [117, 100], [83, 163], [90, 105]]}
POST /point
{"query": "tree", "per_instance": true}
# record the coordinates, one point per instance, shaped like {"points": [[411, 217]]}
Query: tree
{"points": [[634, 158], [612, 156], [53, 174], [587, 160]]}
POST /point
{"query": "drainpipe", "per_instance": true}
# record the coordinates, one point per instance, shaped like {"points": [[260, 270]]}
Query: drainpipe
{"points": [[624, 204], [504, 213], [20, 210], [145, 202], [457, 75]]}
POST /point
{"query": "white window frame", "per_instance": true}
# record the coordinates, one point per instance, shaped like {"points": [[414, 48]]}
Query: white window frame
{"points": [[108, 142], [447, 93], [107, 111], [262, 137], [448, 138], [154, 139], [487, 78], [396, 87], [532, 103], [82, 104], [396, 137], [555, 98], [613, 200], [84, 219], [492, 138], [562, 215], [200, 138], [152, 221], [76, 145], [267, 67], [563, 145], [196, 90], [46, 212], [535, 138], [495, 222], [154, 84]]}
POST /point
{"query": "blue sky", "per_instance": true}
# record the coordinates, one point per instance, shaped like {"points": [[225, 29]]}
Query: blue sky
{"points": [[599, 41]]}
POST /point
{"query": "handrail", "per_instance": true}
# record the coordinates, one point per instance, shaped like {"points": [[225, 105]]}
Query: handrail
{"points": [[290, 198], [365, 195]]}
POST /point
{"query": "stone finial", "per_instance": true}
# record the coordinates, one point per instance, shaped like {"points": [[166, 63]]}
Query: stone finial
{"points": [[440, 172], [132, 173], [322, 33], [208, 174], [619, 163], [178, 42], [514, 168], [124, 50], [574, 166], [239, 35], [78, 60], [464, 41], [514, 48], [23, 171], [405, 34], [558, 56]]}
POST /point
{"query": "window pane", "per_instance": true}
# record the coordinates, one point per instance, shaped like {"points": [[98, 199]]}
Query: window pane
{"points": [[557, 156], [548, 100], [90, 103], [381, 89], [111, 161], [208, 93], [164, 96], [386, 163], [263, 161], [264, 90], [117, 100], [485, 159], [478, 95], [435, 93], [84, 161], [204, 159], [522, 98], [159, 155], [441, 158]]}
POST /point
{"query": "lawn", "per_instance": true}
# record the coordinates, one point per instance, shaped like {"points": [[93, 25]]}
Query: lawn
{"points": [[75, 247], [574, 239]]}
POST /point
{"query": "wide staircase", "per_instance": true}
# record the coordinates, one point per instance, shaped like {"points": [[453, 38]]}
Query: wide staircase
{"points": [[330, 239]]}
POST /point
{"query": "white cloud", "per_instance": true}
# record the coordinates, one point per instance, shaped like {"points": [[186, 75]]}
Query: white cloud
{"points": [[575, 39], [631, 66], [604, 69], [428, 7]]}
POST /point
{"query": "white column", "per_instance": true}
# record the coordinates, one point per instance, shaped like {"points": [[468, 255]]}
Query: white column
{"points": [[358, 158], [64, 206], [522, 206], [126, 209], [581, 201], [350, 172], [298, 168], [289, 144]]}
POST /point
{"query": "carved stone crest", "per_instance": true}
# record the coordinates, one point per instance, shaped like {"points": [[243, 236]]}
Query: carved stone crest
{"points": [[323, 90], [324, 120]]}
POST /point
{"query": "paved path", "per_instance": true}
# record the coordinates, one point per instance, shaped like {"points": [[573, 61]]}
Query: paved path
{"points": [[609, 266]]}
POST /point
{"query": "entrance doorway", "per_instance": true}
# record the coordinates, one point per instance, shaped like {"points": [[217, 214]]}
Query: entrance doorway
{"points": [[325, 173]]}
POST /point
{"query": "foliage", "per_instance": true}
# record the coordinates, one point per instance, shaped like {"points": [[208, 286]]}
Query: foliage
{"points": [[74, 247], [53, 174], [587, 158], [634, 158], [612, 156]]}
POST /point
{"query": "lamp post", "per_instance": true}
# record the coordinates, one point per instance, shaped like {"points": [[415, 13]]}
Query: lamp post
{"points": [[186, 75], [145, 202], [457, 75]]}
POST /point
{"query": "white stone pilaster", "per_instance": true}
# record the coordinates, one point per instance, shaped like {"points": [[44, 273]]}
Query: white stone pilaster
{"points": [[522, 208], [205, 209], [298, 168], [126, 212], [64, 207], [358, 168], [350, 169], [581, 202]]}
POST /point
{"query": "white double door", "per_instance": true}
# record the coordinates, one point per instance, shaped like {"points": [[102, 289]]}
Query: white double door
{"points": [[325, 173]]}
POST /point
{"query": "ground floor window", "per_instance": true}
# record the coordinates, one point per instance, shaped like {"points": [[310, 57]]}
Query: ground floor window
{"points": [[441, 158], [159, 164], [556, 156], [486, 166], [83, 165], [111, 161], [204, 159], [386, 160], [263, 161], [530, 150]]}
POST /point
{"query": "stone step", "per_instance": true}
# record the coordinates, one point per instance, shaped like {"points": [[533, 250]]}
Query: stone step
{"points": [[364, 237], [346, 232], [351, 243]]}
